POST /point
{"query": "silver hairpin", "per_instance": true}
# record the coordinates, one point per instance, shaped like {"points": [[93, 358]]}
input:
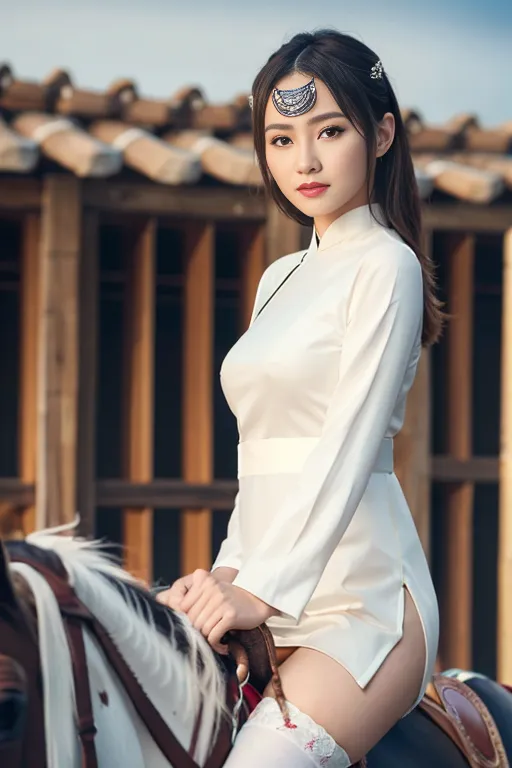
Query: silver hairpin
{"points": [[295, 101], [377, 71], [250, 99]]}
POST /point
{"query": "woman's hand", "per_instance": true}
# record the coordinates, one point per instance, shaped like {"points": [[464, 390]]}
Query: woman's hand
{"points": [[214, 607], [172, 596], [223, 573]]}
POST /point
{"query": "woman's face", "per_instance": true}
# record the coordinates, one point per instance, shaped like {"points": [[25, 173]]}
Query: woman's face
{"points": [[320, 147]]}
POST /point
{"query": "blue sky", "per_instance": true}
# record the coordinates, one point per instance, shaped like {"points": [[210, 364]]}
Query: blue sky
{"points": [[443, 56]]}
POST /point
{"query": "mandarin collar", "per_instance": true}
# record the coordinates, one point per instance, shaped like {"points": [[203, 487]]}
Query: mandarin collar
{"points": [[350, 225]]}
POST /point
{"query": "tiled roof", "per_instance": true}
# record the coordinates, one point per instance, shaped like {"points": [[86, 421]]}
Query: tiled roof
{"points": [[179, 140]]}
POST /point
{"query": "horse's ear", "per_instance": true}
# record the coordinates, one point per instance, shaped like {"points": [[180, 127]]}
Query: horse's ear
{"points": [[7, 595]]}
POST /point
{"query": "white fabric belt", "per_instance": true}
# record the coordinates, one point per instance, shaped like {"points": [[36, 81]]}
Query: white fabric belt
{"points": [[281, 455]]}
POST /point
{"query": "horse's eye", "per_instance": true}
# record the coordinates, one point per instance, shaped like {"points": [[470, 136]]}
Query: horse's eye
{"points": [[13, 699], [13, 708]]}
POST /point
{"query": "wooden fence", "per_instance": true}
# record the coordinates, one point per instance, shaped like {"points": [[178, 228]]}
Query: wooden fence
{"points": [[58, 282]]}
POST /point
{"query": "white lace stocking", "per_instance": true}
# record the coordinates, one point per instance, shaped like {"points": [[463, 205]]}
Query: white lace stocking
{"points": [[266, 741]]}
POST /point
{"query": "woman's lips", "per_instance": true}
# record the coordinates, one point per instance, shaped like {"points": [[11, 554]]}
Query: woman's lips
{"points": [[313, 191]]}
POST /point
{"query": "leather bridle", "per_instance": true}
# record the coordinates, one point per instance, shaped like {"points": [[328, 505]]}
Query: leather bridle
{"points": [[76, 616]]}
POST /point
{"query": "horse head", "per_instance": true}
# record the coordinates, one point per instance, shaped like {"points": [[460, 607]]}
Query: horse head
{"points": [[94, 622], [21, 708]]}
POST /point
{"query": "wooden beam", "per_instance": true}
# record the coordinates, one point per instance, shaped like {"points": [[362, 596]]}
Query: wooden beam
{"points": [[58, 352], [30, 313], [20, 194], [283, 234], [88, 336], [139, 394], [16, 493], [467, 217], [477, 469], [212, 203], [157, 494], [198, 300], [457, 584], [252, 254], [505, 507], [220, 494], [166, 494]]}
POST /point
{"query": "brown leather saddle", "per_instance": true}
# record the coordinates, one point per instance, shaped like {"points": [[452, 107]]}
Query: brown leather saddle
{"points": [[450, 704], [464, 717]]}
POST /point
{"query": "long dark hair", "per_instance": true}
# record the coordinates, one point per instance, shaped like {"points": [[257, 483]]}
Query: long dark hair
{"points": [[344, 64]]}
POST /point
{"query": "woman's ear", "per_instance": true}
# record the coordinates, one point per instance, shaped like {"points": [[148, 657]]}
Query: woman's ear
{"points": [[385, 134]]}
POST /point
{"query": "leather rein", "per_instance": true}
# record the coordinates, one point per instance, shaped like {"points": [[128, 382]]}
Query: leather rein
{"points": [[75, 616]]}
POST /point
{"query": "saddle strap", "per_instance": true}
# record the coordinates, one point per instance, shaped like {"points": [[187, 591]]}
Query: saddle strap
{"points": [[85, 715]]}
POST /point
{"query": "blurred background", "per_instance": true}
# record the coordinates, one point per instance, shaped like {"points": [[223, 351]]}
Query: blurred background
{"points": [[133, 233]]}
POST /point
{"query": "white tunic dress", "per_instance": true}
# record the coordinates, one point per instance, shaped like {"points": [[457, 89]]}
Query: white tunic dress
{"points": [[321, 530]]}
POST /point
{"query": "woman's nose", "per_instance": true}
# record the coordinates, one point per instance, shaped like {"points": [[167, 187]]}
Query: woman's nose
{"points": [[307, 161]]}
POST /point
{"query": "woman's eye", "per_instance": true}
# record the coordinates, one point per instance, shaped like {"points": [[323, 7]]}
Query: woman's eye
{"points": [[332, 131], [279, 139]]}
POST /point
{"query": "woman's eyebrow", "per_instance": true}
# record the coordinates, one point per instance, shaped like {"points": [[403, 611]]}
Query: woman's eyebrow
{"points": [[311, 121], [325, 116]]}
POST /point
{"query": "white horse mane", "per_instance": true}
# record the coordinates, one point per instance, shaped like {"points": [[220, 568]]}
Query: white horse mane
{"points": [[169, 676]]}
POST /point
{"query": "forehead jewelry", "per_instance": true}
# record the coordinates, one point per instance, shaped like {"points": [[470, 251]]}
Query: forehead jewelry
{"points": [[377, 71], [295, 101]]}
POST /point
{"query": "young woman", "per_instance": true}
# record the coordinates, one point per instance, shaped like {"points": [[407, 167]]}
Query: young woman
{"points": [[321, 544]]}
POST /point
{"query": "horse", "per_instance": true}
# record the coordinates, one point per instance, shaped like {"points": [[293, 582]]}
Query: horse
{"points": [[173, 663], [186, 685]]}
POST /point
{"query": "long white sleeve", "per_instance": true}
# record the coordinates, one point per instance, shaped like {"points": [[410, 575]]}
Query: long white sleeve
{"points": [[230, 552], [380, 343]]}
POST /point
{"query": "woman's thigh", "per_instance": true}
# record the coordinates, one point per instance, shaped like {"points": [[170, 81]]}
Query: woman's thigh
{"points": [[358, 718]]}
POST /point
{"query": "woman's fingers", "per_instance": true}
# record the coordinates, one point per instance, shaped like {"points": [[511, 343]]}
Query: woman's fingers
{"points": [[219, 630], [202, 582], [167, 597], [203, 608], [208, 628], [173, 596]]}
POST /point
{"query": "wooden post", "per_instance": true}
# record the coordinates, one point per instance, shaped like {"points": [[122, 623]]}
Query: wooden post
{"points": [[88, 334], [412, 444], [412, 451], [505, 509], [58, 352], [198, 389], [283, 234], [29, 336], [139, 394], [252, 249], [457, 584]]}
